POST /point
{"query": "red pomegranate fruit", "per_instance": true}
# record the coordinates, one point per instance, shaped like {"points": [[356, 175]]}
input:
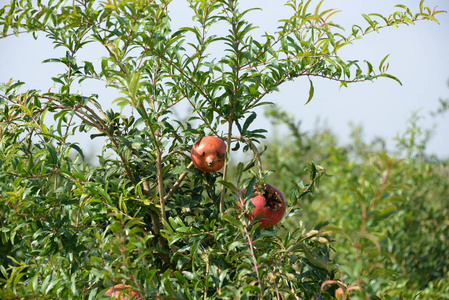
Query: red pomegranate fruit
{"points": [[123, 292], [270, 206], [209, 154]]}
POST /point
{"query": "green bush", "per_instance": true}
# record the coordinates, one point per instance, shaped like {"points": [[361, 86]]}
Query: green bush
{"points": [[142, 215]]}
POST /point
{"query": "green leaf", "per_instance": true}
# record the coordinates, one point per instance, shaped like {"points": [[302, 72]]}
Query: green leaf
{"points": [[236, 244], [374, 240], [316, 260], [180, 278], [381, 69], [369, 20], [386, 212], [391, 77], [228, 185], [339, 230], [311, 91], [248, 122], [233, 221]]}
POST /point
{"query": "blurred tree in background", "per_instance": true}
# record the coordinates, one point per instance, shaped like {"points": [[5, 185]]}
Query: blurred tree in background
{"points": [[388, 209]]}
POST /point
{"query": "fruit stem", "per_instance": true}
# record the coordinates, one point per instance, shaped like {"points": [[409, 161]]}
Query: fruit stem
{"points": [[160, 183], [159, 171], [256, 265]]}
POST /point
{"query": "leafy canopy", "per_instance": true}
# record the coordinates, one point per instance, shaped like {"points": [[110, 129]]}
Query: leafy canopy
{"points": [[141, 215]]}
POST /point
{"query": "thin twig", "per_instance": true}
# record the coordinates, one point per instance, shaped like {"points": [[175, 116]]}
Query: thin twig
{"points": [[256, 265], [177, 183], [225, 169]]}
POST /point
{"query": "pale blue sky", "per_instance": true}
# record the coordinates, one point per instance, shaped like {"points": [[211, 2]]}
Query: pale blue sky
{"points": [[419, 57]]}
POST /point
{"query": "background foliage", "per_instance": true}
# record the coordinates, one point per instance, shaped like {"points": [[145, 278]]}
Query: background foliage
{"points": [[143, 216], [387, 209]]}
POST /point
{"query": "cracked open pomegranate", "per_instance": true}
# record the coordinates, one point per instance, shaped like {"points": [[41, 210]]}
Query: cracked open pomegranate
{"points": [[123, 292], [209, 154], [270, 206]]}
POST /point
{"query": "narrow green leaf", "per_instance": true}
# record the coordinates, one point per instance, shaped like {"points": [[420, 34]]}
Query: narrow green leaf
{"points": [[374, 240], [233, 221], [368, 19], [382, 63], [311, 91], [228, 185], [391, 77], [248, 122]]}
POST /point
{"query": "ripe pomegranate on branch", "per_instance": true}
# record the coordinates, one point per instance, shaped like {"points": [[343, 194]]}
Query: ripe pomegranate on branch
{"points": [[209, 154], [270, 206], [123, 292]]}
